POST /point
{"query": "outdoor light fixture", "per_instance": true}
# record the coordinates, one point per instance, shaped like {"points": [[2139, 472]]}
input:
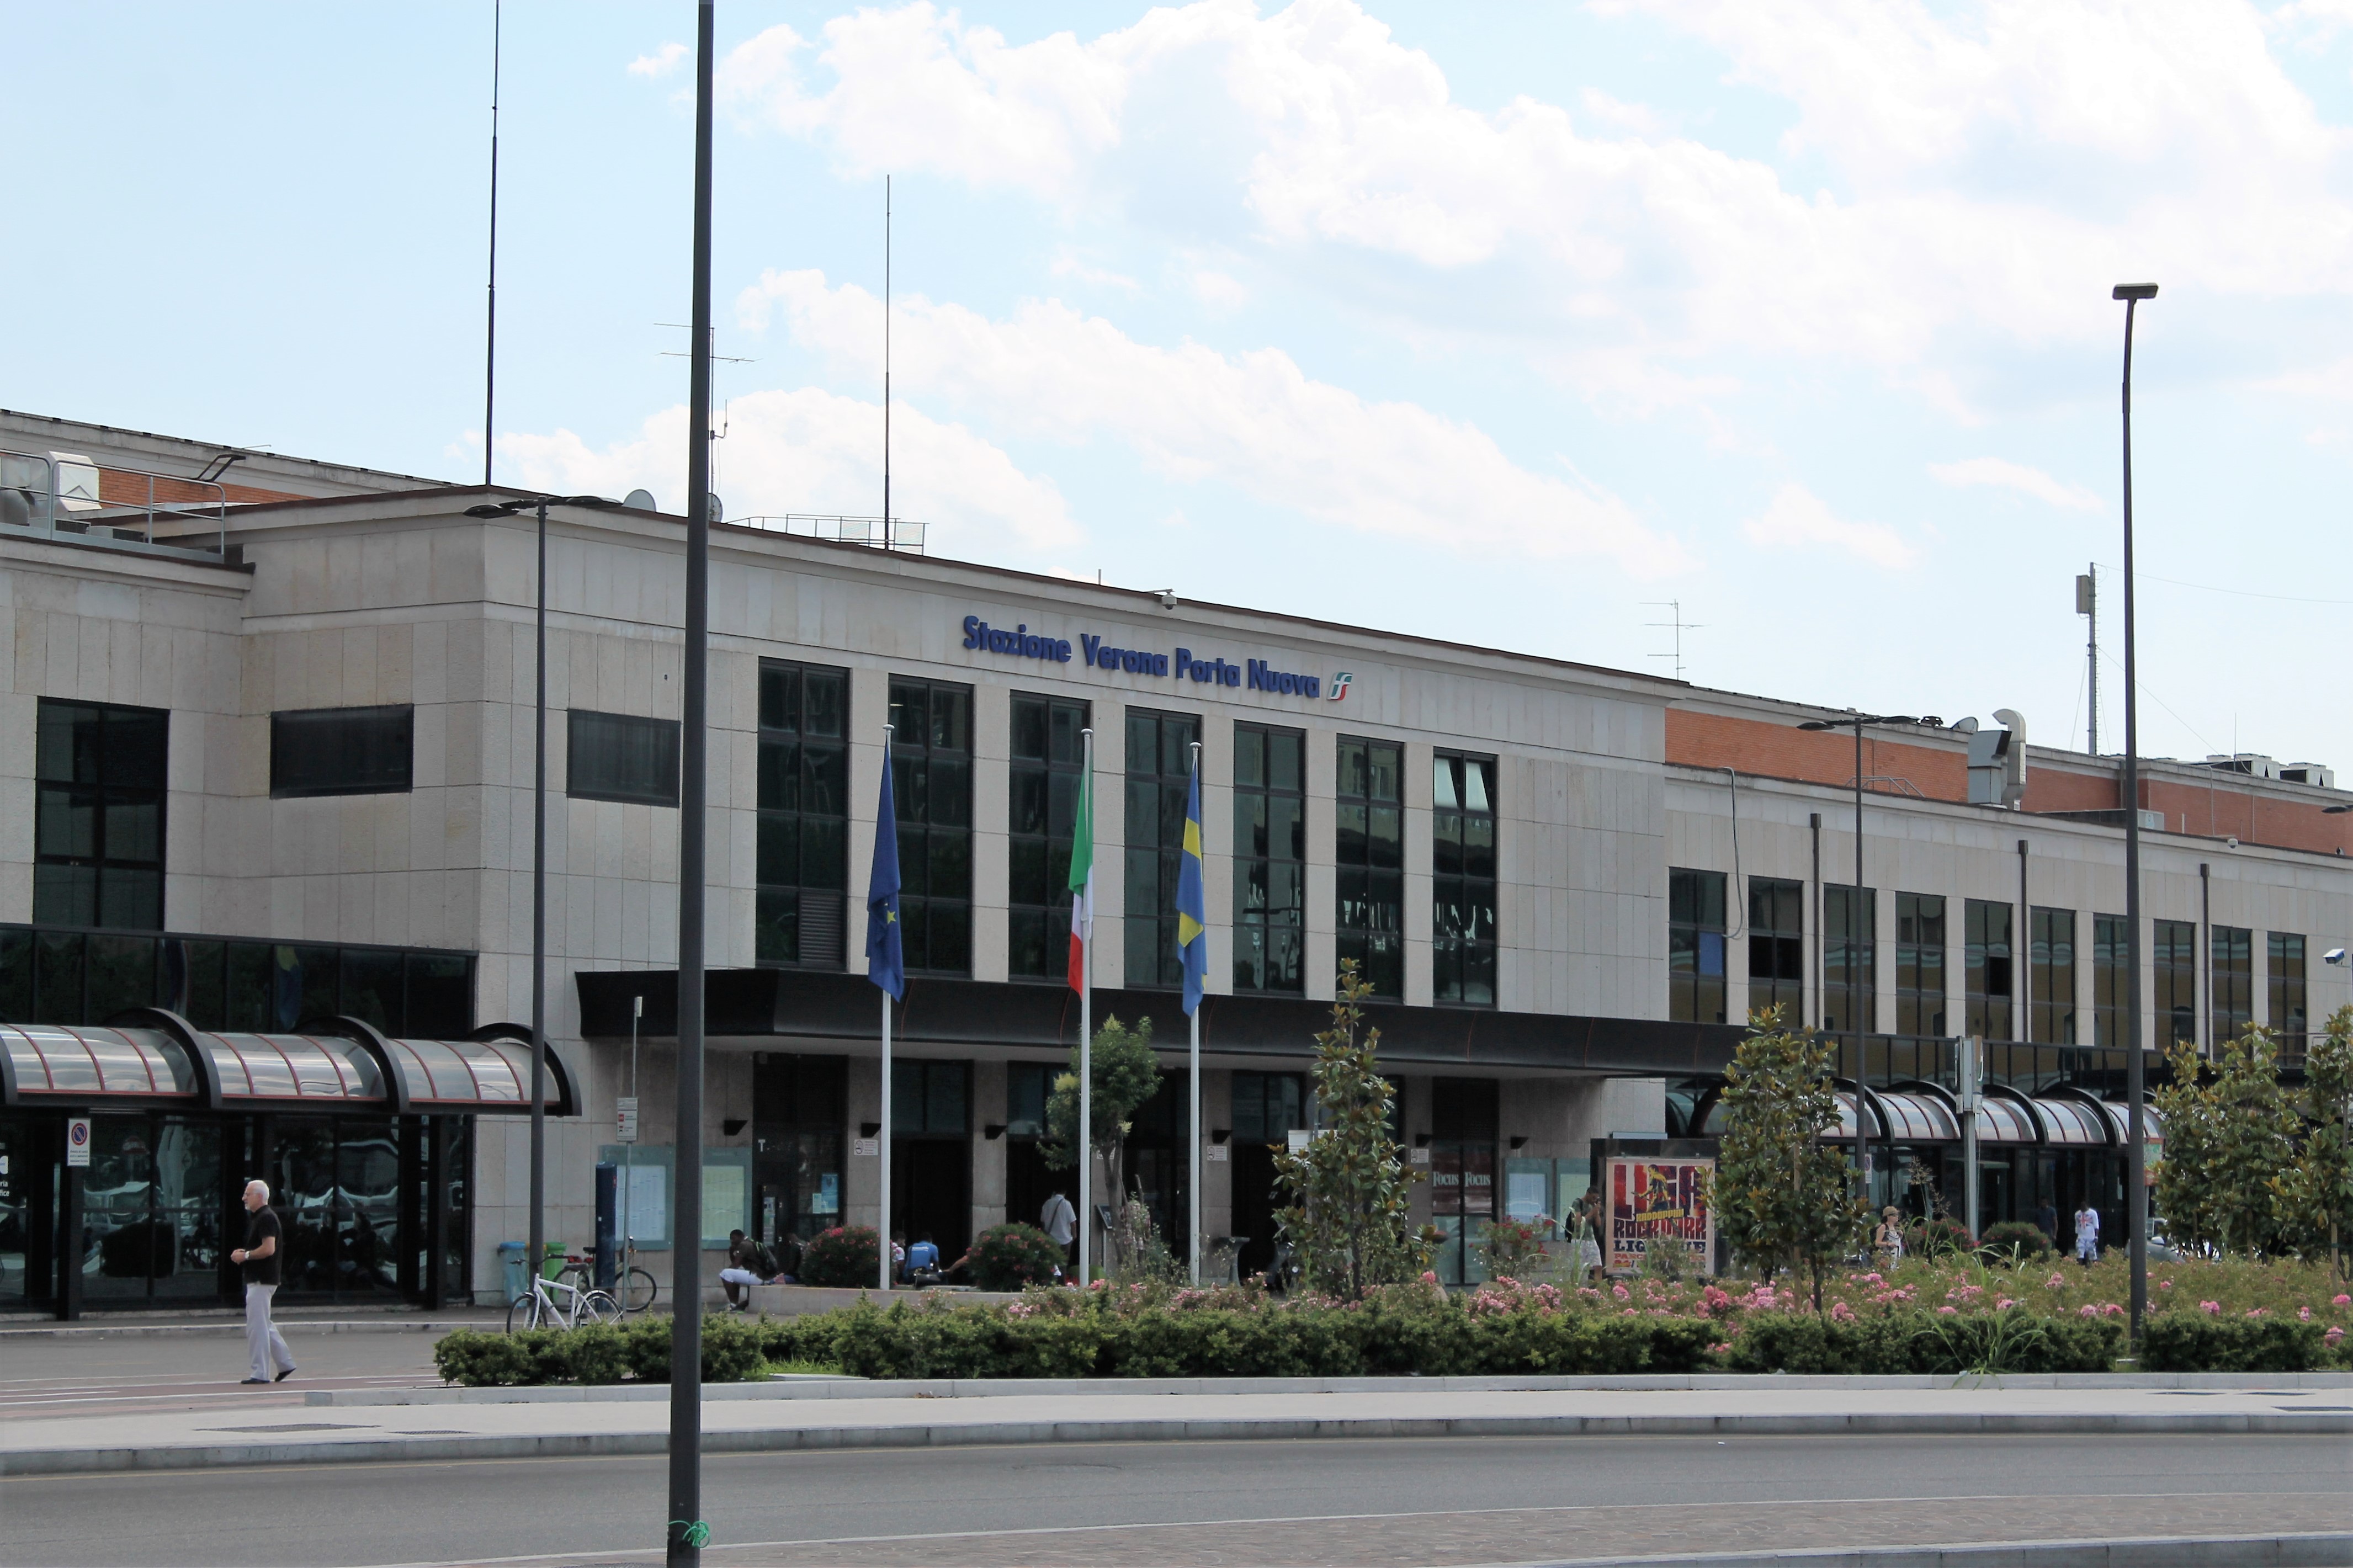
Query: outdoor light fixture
{"points": [[1521, 1142], [1219, 1135], [732, 1126], [1421, 1139], [993, 1130], [869, 1128]]}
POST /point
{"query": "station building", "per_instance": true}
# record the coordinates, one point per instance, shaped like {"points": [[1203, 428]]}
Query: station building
{"points": [[265, 769]]}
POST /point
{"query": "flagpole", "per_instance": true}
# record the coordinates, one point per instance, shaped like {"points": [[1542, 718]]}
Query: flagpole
{"points": [[1193, 1076], [1086, 1030], [882, 1141]]}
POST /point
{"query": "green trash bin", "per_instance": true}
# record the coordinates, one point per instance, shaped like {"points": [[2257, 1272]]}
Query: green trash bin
{"points": [[551, 1263]]}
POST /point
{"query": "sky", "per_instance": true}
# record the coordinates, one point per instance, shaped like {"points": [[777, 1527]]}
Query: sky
{"points": [[1540, 327]]}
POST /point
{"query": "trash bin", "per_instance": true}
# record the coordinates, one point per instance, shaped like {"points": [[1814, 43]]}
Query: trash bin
{"points": [[510, 1266], [551, 1263]]}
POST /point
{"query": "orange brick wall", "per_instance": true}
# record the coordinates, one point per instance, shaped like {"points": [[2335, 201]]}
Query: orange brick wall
{"points": [[116, 488]]}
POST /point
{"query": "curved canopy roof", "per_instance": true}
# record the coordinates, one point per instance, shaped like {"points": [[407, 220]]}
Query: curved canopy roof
{"points": [[60, 1062]]}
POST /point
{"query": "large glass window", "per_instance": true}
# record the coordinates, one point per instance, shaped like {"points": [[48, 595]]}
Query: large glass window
{"points": [[2111, 972], [1369, 853], [931, 758], [98, 817], [2175, 952], [1049, 754], [1850, 959], [1777, 948], [803, 838], [2285, 974], [621, 756], [2051, 1015], [1695, 946], [1159, 766], [2233, 984], [1988, 970], [1920, 964], [1462, 883], [341, 750], [1269, 857]]}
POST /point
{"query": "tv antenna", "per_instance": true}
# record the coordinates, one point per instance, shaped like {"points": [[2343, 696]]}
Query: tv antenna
{"points": [[1678, 625]]}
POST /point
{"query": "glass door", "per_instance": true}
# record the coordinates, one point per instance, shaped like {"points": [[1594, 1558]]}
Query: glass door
{"points": [[190, 1209]]}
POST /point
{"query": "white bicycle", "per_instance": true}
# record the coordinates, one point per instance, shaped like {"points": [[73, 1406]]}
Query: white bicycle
{"points": [[540, 1308]]}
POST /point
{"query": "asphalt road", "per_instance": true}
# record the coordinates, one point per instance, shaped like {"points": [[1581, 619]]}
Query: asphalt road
{"points": [[1458, 1501]]}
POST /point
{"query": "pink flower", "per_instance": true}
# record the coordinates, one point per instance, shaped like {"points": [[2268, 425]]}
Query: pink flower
{"points": [[2212, 1309], [1621, 1293], [2258, 1312], [2340, 1299], [2165, 1284], [2304, 1314], [2332, 1336], [1946, 1311], [2004, 1304], [2111, 1310], [1428, 1277], [1840, 1312], [1724, 1348], [2087, 1310], [2056, 1282], [1874, 1279]]}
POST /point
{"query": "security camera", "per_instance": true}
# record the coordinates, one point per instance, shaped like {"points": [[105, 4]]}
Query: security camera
{"points": [[1167, 598], [2333, 955]]}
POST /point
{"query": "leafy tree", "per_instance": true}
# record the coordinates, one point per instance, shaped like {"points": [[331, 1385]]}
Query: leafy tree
{"points": [[1784, 1197], [1126, 1074], [2230, 1130], [1348, 1189], [2311, 1200]]}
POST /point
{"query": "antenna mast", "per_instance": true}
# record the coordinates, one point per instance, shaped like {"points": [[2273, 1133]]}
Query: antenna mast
{"points": [[886, 362], [1680, 625], [2088, 605], [491, 348]]}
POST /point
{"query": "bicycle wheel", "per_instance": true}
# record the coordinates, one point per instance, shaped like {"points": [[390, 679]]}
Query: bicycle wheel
{"points": [[598, 1307], [524, 1310], [638, 1291]]}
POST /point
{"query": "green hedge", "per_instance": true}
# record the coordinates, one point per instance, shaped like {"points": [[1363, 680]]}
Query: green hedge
{"points": [[598, 1354], [2183, 1342], [1915, 1341]]}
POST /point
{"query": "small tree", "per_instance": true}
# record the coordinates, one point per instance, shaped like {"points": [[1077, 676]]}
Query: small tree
{"points": [[1349, 1190], [2312, 1198], [1126, 1074], [2230, 1130], [1783, 1197]]}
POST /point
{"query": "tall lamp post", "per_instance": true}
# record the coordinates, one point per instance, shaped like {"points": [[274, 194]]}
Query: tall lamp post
{"points": [[2136, 1156], [1856, 992], [538, 1243]]}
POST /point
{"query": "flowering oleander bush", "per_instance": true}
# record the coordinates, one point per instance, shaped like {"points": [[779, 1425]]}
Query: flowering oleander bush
{"points": [[1011, 1257], [846, 1256]]}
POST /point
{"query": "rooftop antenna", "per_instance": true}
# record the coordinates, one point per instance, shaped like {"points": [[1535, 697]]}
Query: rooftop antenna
{"points": [[2088, 605], [490, 349], [1680, 625], [886, 362]]}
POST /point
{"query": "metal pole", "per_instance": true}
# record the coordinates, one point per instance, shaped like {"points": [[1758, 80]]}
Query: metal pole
{"points": [[538, 926], [1972, 1075], [628, 1152], [684, 1534], [2092, 658], [491, 324], [882, 1139], [1856, 991], [886, 395], [1086, 1149], [1193, 1077], [2136, 1174]]}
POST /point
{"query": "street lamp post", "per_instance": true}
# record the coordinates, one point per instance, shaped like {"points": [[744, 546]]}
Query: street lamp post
{"points": [[1854, 934], [2136, 1156], [538, 1231]]}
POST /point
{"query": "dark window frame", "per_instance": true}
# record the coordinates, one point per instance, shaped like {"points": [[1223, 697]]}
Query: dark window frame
{"points": [[2051, 1016], [633, 730], [377, 731], [2231, 987], [106, 785], [2289, 1008], [1989, 969], [2111, 972], [1368, 879], [1465, 854], [1153, 839], [1042, 784], [1777, 947], [1843, 994], [800, 920], [1921, 990], [931, 788], [2173, 951], [1695, 912], [1270, 859]]}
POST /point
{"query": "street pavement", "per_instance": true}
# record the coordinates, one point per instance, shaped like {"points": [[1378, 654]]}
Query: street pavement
{"points": [[1383, 1503]]}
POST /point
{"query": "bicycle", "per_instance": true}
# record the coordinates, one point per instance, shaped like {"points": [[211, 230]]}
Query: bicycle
{"points": [[538, 1308], [633, 1289]]}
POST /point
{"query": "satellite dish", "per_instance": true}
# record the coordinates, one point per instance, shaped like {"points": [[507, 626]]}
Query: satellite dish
{"points": [[1966, 726], [643, 501], [715, 512]]}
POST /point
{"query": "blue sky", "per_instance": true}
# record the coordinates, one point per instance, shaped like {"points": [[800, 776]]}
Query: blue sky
{"points": [[1499, 323]]}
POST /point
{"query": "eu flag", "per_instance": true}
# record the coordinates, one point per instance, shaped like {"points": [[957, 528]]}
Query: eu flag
{"points": [[1192, 908], [886, 964]]}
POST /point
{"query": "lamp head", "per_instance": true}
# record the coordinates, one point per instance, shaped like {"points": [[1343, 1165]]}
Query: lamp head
{"points": [[491, 509], [1821, 725], [2335, 810], [2133, 291], [2333, 955]]}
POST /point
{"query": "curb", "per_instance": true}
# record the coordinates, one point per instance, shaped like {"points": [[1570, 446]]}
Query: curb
{"points": [[2313, 1551], [69, 1461], [235, 1327]]}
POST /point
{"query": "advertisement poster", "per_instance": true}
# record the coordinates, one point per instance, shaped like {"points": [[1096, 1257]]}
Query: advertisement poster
{"points": [[1661, 1202]]}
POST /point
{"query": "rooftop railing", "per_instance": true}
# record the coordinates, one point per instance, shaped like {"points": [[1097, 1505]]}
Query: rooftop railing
{"points": [[64, 496], [905, 536]]}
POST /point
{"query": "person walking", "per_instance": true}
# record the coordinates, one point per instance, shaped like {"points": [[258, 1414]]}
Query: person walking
{"points": [[1887, 1241], [259, 1257], [1060, 1221], [2087, 1235]]}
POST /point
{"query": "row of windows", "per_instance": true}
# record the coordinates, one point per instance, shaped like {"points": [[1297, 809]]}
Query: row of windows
{"points": [[1991, 1005]]}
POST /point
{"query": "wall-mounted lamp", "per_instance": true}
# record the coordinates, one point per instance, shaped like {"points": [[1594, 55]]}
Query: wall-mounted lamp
{"points": [[1521, 1142], [869, 1128], [1219, 1135], [734, 1125], [1421, 1139], [993, 1130]]}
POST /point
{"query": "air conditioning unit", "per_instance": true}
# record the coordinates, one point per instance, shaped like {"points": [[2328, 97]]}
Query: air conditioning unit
{"points": [[2252, 765], [2309, 773]]}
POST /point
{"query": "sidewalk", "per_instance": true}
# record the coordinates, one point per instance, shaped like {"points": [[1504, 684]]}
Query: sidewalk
{"points": [[299, 1426]]}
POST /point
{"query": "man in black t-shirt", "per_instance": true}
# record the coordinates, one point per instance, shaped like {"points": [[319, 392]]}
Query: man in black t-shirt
{"points": [[259, 1258]]}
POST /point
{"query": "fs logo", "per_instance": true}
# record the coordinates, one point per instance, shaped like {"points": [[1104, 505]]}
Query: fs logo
{"points": [[1340, 684]]}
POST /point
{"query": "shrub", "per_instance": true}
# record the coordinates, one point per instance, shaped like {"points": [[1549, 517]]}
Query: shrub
{"points": [[936, 1341], [479, 1360], [595, 1352], [730, 1349], [844, 1255], [2018, 1238], [2182, 1341], [1012, 1256], [1912, 1341], [1940, 1237]]}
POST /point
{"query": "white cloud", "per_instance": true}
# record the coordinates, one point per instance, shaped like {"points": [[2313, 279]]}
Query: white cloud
{"points": [[1253, 420], [661, 62], [812, 451], [2003, 474], [1067, 263], [1218, 291], [1797, 520]]}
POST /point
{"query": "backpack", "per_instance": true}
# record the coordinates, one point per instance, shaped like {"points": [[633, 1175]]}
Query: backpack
{"points": [[764, 1263]]}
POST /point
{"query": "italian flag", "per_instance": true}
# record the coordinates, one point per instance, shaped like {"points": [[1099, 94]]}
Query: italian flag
{"points": [[1082, 882]]}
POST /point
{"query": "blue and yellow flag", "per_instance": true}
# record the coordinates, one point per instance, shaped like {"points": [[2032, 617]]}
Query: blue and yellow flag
{"points": [[1192, 908]]}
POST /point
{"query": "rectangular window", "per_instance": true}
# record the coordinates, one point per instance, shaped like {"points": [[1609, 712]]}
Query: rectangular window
{"points": [[1462, 862], [2285, 974], [2051, 1019], [1270, 858], [802, 843], [1920, 964], [1989, 982], [931, 783], [620, 756], [1049, 754], [1159, 766], [1267, 1107], [1695, 946], [930, 1098], [2234, 983], [1369, 855], [341, 750], [98, 817], [1777, 948], [2111, 970], [1850, 959], [2175, 956]]}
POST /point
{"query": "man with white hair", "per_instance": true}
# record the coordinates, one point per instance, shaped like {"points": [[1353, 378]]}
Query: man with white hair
{"points": [[258, 1257]]}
